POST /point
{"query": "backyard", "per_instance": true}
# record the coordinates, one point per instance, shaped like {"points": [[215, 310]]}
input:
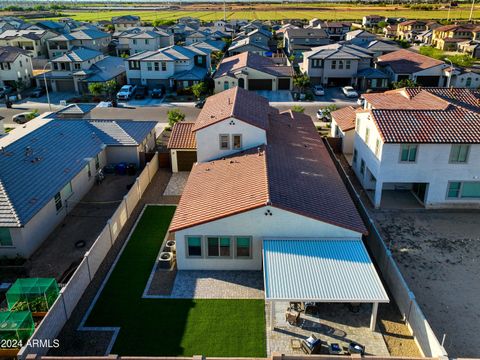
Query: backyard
{"points": [[172, 327]]}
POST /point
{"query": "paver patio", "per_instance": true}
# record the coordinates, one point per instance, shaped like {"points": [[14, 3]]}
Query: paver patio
{"points": [[177, 183]]}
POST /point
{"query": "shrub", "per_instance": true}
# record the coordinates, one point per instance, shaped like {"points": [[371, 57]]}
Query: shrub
{"points": [[175, 116], [298, 108]]}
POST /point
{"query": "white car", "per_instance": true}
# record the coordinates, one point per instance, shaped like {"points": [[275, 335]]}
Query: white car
{"points": [[349, 92], [126, 92], [318, 90], [324, 115]]}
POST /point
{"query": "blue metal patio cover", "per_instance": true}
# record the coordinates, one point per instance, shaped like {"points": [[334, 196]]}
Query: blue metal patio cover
{"points": [[321, 271]]}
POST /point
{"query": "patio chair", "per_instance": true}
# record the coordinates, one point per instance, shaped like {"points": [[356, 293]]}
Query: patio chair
{"points": [[292, 316], [311, 345]]}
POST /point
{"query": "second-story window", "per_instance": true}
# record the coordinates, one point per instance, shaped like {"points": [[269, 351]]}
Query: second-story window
{"points": [[367, 135], [334, 64], [157, 66], [347, 64], [459, 153], [149, 66], [224, 142], [164, 66], [377, 147], [408, 152]]}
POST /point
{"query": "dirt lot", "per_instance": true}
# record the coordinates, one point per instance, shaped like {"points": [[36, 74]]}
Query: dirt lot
{"points": [[439, 254]]}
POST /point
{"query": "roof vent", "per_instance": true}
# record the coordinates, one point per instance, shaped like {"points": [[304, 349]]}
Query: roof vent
{"points": [[28, 151], [259, 151]]}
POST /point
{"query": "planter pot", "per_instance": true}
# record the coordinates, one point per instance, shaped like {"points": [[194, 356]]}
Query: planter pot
{"points": [[165, 260]]}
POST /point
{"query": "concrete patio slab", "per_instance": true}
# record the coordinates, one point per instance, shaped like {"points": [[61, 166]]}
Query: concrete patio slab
{"points": [[176, 184]]}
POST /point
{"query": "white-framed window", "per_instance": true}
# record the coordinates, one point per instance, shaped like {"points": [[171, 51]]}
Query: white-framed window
{"points": [[408, 152], [224, 142], [367, 135], [156, 66], [243, 247], [334, 64], [459, 153], [149, 66], [377, 147], [236, 141], [219, 246], [194, 246], [164, 66]]}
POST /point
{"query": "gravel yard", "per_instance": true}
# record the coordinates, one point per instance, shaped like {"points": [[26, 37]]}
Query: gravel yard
{"points": [[438, 253]]}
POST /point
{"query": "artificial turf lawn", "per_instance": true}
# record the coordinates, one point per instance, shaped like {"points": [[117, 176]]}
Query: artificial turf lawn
{"points": [[172, 327]]}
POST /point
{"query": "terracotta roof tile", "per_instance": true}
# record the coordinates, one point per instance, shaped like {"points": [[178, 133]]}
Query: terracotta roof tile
{"points": [[182, 136], [235, 102], [345, 118], [407, 62]]}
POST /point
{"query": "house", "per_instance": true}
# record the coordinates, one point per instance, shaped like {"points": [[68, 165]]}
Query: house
{"points": [[470, 47], [258, 36], [61, 157], [405, 64], [421, 144], [379, 47], [336, 64], [33, 41], [211, 45], [359, 36], [463, 77], [239, 211], [343, 127], [390, 31], [408, 30], [248, 45], [15, 67], [174, 67], [136, 40], [336, 30], [196, 36], [314, 22], [91, 39], [54, 26], [297, 41], [125, 22], [370, 21], [447, 37], [182, 146], [253, 72], [79, 67]]}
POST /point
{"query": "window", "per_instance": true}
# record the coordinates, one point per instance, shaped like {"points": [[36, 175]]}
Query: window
{"points": [[340, 64], [237, 141], [367, 135], [97, 162], [67, 191], [225, 85], [463, 190], [377, 147], [408, 153], [146, 41], [157, 66], [149, 66], [194, 246], [200, 60], [224, 142], [76, 66], [459, 153], [134, 65], [355, 155], [362, 167], [5, 237], [317, 63], [164, 66], [134, 41], [58, 201], [334, 64], [89, 170], [218, 246], [347, 64], [243, 246]]}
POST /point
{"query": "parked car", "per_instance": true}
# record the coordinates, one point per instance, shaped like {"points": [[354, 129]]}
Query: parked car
{"points": [[158, 93], [318, 90], [141, 92], [5, 90], [37, 92], [200, 103], [349, 92], [324, 115], [126, 92], [24, 117]]}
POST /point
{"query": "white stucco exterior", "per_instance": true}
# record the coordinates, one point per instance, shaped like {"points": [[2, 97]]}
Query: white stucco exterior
{"points": [[18, 70], [346, 136], [432, 167], [257, 225], [208, 139]]}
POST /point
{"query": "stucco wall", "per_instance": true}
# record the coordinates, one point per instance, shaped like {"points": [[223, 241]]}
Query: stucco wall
{"points": [[256, 224], [118, 154]]}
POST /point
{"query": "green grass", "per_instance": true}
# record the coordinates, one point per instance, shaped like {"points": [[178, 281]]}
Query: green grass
{"points": [[458, 59], [172, 327]]}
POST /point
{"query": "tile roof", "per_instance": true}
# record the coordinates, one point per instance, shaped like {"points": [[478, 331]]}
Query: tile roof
{"points": [[10, 53], [400, 99], [31, 34], [247, 41], [294, 172], [50, 156], [345, 118], [407, 62], [238, 103], [169, 53], [78, 54], [182, 136], [467, 98], [339, 51], [81, 35], [106, 69], [232, 64]]}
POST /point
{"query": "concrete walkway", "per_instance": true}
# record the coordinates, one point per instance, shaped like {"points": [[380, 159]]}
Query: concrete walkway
{"points": [[177, 183]]}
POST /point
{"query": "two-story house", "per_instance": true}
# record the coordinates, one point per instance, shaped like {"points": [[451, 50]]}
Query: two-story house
{"points": [[449, 36], [15, 66], [420, 143], [126, 22], [296, 41], [248, 44], [174, 67], [359, 36], [370, 21], [264, 194], [78, 67], [33, 41], [253, 72], [408, 30], [91, 39], [405, 64], [336, 30], [136, 40], [336, 64]]}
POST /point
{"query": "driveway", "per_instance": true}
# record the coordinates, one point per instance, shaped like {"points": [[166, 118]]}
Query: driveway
{"points": [[335, 96], [276, 96]]}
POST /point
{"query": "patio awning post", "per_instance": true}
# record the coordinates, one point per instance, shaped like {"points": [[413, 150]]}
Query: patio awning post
{"points": [[272, 314], [373, 320]]}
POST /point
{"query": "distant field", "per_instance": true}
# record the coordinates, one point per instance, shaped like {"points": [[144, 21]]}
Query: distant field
{"points": [[325, 12]]}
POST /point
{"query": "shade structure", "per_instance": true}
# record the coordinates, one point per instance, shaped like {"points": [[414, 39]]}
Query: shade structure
{"points": [[320, 271]]}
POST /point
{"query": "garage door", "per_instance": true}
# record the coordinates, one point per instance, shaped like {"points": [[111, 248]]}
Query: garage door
{"points": [[283, 84], [186, 159], [428, 80], [339, 81], [65, 85], [260, 84]]}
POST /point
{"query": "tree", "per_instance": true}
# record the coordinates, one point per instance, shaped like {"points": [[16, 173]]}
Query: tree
{"points": [[110, 88], [298, 108], [199, 89], [175, 116], [404, 83], [382, 24], [301, 81], [96, 88]]}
